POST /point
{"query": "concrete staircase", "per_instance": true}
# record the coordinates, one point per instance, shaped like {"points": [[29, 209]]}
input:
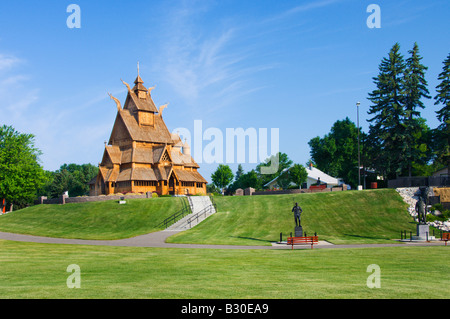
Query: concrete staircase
{"points": [[201, 207]]}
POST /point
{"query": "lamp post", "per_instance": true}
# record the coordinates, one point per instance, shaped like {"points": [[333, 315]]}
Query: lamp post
{"points": [[359, 157]]}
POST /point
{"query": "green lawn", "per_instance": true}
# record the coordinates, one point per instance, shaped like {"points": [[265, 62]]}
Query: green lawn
{"points": [[372, 216], [92, 220], [30, 270]]}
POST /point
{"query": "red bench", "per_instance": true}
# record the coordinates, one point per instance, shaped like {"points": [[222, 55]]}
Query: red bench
{"points": [[445, 237], [321, 186], [303, 240]]}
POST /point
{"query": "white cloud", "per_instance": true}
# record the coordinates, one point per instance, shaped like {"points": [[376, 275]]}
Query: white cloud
{"points": [[8, 62], [305, 7], [16, 97], [202, 64]]}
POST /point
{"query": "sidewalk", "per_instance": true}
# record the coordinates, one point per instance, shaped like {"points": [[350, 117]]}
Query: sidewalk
{"points": [[157, 240]]}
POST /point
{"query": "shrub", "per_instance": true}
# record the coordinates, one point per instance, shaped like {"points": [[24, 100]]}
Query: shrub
{"points": [[438, 207]]}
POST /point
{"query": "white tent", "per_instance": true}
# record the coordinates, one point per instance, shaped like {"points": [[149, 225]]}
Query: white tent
{"points": [[313, 176]]}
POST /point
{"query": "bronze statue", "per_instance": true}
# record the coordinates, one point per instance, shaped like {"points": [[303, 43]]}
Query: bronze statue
{"points": [[297, 212], [421, 211]]}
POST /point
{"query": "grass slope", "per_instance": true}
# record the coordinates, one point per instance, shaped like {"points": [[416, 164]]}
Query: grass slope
{"points": [[92, 220], [39, 271], [372, 216]]}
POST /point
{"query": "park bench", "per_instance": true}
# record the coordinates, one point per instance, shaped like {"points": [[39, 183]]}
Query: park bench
{"points": [[445, 237], [303, 240], [318, 187]]}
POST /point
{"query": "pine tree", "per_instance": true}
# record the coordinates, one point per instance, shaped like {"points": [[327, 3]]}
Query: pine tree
{"points": [[386, 131], [239, 172], [443, 115], [414, 89]]}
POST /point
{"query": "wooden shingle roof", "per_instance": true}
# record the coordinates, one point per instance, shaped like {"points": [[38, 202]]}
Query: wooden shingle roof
{"points": [[179, 158], [114, 153], [143, 174], [146, 104], [143, 155], [163, 173], [134, 102], [153, 134], [189, 176]]}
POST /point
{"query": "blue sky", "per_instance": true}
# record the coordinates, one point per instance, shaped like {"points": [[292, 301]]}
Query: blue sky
{"points": [[294, 65]]}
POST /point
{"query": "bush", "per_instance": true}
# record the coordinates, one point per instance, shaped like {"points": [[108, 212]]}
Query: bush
{"points": [[438, 207], [432, 218], [215, 194], [154, 195]]}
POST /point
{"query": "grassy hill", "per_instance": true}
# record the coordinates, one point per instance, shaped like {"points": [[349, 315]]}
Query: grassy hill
{"points": [[92, 220], [371, 216]]}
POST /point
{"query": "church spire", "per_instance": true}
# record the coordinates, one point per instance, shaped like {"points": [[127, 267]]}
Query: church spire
{"points": [[139, 88]]}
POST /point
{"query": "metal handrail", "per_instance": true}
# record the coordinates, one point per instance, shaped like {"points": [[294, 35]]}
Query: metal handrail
{"points": [[186, 210], [197, 215], [213, 202]]}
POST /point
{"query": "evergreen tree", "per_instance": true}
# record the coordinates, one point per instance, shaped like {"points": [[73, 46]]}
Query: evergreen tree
{"points": [[386, 131], [239, 172], [443, 115], [414, 89]]}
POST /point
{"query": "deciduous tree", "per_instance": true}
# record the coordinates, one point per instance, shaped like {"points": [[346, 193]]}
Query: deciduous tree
{"points": [[20, 172], [223, 176]]}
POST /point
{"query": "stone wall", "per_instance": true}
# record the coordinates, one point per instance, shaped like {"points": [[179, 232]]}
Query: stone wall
{"points": [[64, 199], [300, 191]]}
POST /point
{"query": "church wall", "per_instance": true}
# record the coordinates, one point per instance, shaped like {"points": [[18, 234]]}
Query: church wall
{"points": [[145, 189], [146, 118]]}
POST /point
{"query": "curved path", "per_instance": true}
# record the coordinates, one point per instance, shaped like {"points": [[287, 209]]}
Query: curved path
{"points": [[157, 239]]}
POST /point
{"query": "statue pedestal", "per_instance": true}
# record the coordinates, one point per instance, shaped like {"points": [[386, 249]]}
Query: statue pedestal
{"points": [[423, 233], [299, 231], [422, 230]]}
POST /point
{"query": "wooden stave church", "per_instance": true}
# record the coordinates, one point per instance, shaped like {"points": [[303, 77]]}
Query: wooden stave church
{"points": [[142, 155]]}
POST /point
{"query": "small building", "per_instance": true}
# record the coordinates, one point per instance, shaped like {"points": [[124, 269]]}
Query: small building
{"points": [[443, 172], [142, 155], [314, 175]]}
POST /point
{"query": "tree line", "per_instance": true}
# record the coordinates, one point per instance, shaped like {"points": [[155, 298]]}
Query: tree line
{"points": [[22, 178], [73, 178], [399, 142], [288, 175]]}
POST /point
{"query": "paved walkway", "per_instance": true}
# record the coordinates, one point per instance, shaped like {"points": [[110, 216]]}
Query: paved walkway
{"points": [[157, 239]]}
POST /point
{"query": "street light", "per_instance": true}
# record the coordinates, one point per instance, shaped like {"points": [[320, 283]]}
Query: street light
{"points": [[359, 157]]}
